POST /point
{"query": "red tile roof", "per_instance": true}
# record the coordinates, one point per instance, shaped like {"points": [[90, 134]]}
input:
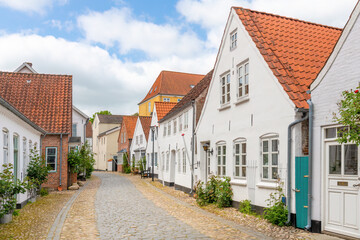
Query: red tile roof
{"points": [[294, 50], [173, 83], [89, 132], [202, 86], [129, 122], [162, 108], [145, 123], [45, 99]]}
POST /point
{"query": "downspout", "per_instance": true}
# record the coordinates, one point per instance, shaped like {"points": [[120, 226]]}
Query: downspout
{"points": [[289, 165], [192, 147], [61, 153], [311, 118]]}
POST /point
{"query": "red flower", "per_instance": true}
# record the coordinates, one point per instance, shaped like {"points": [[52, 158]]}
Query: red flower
{"points": [[356, 91]]}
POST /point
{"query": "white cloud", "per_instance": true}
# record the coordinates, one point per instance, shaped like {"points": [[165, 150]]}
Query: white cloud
{"points": [[31, 6], [68, 26], [119, 28], [100, 81]]}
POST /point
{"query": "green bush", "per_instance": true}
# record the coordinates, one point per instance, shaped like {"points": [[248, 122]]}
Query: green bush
{"points": [[44, 192], [216, 190], [245, 207], [276, 212], [82, 161], [126, 166]]}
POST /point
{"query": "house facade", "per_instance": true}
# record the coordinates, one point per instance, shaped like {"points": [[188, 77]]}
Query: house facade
{"points": [[78, 128], [108, 148], [169, 86], [124, 139], [255, 115], [101, 124], [140, 138], [19, 137], [336, 167]]}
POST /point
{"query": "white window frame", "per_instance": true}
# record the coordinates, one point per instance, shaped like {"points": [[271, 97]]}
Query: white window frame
{"points": [[141, 139], [183, 161], [178, 161], [180, 123], [166, 99], [186, 120], [225, 86], [165, 130], [162, 161], [149, 107], [137, 140], [156, 159], [175, 126], [46, 157], [5, 146], [16, 155], [221, 165], [240, 156], [233, 39], [167, 161], [24, 154], [74, 133], [270, 155], [169, 128], [243, 80]]}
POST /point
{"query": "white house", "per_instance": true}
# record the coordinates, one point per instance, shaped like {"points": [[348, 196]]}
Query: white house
{"points": [[140, 138], [19, 136], [175, 138], [108, 148], [264, 67], [78, 133], [336, 167]]}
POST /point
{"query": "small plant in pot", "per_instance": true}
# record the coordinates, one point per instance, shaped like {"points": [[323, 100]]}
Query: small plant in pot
{"points": [[9, 187]]}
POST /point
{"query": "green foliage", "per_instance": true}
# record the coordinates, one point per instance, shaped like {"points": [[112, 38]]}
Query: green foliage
{"points": [[142, 164], [217, 190], [9, 187], [133, 164], [349, 110], [74, 161], [276, 212], [37, 171], [103, 112], [44, 192], [245, 207], [16, 213], [126, 166], [82, 161]]}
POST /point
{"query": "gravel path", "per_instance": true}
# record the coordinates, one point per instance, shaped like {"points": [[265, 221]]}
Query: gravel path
{"points": [[124, 213]]}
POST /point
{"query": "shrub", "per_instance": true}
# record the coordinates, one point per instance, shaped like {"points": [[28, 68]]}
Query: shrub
{"points": [[44, 192], [16, 213], [82, 161], [245, 207], [126, 166], [276, 212], [37, 172]]}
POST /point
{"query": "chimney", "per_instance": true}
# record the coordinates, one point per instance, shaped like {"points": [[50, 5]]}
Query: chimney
{"points": [[29, 63]]}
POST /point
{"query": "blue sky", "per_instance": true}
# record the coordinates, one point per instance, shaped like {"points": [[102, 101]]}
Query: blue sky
{"points": [[116, 48]]}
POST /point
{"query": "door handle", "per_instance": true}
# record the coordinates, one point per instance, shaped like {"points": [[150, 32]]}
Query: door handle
{"points": [[356, 185], [296, 190]]}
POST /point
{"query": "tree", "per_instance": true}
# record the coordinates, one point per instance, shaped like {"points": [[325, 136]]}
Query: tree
{"points": [[82, 161], [349, 116], [103, 112], [37, 171]]}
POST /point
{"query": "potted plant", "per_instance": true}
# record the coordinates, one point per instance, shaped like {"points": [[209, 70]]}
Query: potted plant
{"points": [[9, 187]]}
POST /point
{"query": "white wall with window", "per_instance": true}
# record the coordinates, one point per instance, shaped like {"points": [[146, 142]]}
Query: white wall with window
{"points": [[139, 145], [79, 120]]}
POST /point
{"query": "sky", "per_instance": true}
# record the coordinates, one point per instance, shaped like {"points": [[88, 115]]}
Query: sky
{"points": [[115, 49]]}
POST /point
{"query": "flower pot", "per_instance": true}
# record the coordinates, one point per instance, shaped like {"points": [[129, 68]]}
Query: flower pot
{"points": [[6, 218]]}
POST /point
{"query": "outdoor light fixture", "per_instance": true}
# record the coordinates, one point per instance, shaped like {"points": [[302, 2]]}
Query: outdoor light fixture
{"points": [[206, 148]]}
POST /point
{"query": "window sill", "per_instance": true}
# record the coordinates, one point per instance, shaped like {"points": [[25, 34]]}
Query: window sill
{"points": [[267, 185], [239, 182], [242, 99], [224, 106]]}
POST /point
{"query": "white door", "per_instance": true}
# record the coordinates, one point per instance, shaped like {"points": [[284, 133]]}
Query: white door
{"points": [[342, 200]]}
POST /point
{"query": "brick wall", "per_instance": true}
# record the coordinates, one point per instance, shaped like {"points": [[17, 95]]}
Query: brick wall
{"points": [[54, 177]]}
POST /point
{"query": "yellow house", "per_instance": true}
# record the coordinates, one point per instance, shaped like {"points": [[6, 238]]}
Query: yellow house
{"points": [[168, 87]]}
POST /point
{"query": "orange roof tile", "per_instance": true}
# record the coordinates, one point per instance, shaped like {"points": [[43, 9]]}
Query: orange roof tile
{"points": [[173, 83], [162, 108], [129, 122], [88, 129], [294, 50], [45, 99], [145, 123]]}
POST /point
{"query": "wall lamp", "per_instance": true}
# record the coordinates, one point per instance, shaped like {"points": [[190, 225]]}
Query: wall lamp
{"points": [[206, 148]]}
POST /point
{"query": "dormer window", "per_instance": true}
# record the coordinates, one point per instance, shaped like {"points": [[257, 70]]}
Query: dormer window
{"points": [[233, 40], [192, 86], [243, 79], [225, 88]]}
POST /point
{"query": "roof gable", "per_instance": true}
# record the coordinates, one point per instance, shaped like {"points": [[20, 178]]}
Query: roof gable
{"points": [[129, 124], [162, 108], [145, 123], [45, 99], [172, 83], [294, 50]]}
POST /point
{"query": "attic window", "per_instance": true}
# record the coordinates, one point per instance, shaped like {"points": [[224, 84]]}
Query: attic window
{"points": [[150, 90], [233, 39], [155, 89], [192, 86], [28, 81]]}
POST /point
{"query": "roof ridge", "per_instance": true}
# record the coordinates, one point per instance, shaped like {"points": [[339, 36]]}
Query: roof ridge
{"points": [[289, 18], [182, 72], [36, 74]]}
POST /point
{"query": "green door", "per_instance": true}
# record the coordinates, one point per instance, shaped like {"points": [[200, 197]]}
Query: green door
{"points": [[301, 190]]}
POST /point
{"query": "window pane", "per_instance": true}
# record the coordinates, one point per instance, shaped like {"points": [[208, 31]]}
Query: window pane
{"points": [[237, 160], [351, 159], [219, 170], [223, 99], [274, 174], [265, 146], [224, 160], [246, 68], [246, 89], [244, 160], [330, 132], [274, 145], [243, 148], [237, 171], [228, 96], [237, 148], [243, 172], [341, 130], [335, 159], [51, 151], [274, 159], [265, 159], [265, 172], [224, 171], [246, 79], [224, 150], [219, 150], [219, 160], [51, 159]]}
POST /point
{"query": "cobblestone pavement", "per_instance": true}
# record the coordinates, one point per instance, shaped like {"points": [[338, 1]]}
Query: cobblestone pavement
{"points": [[124, 213]]}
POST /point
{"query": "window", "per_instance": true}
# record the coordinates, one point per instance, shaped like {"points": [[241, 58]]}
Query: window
{"points": [[166, 99], [167, 161], [162, 161], [180, 123], [179, 99], [270, 156], [178, 161], [240, 159], [16, 154], [233, 40], [51, 158], [149, 107], [156, 159], [164, 130], [225, 89], [184, 161], [30, 146], [175, 125], [24, 153], [6, 146], [141, 139], [243, 80], [169, 128], [137, 140], [221, 157], [186, 120], [74, 128]]}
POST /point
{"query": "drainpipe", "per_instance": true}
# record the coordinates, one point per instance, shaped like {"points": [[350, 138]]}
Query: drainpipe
{"points": [[289, 164], [311, 116], [192, 147], [61, 153]]}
